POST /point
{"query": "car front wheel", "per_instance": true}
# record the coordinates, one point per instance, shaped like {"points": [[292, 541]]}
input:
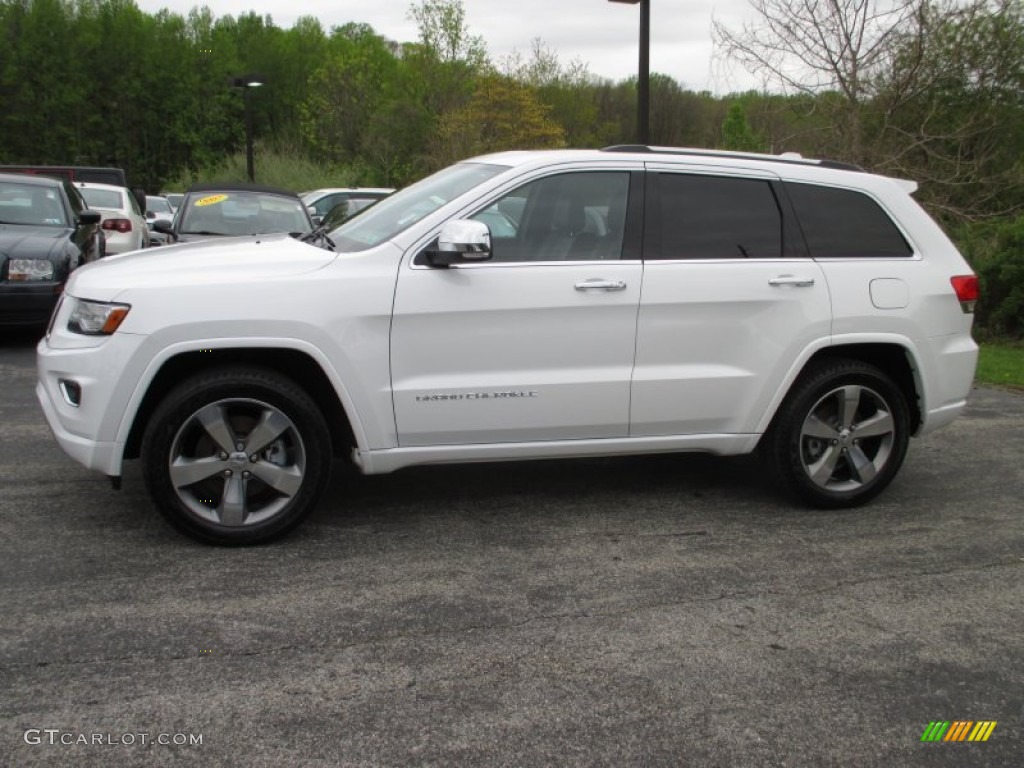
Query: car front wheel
{"points": [[236, 456], [841, 435]]}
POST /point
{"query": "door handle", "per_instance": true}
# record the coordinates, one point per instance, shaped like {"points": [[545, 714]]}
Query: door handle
{"points": [[799, 282], [597, 284]]}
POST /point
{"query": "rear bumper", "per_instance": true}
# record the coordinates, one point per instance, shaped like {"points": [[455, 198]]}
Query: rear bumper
{"points": [[949, 366], [125, 242]]}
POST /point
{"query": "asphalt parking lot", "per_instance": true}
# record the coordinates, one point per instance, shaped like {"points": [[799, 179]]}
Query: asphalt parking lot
{"points": [[657, 611]]}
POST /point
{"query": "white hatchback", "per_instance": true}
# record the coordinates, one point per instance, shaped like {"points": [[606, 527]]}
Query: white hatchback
{"points": [[124, 223]]}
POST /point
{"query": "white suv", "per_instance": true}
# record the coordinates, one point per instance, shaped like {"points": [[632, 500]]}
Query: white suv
{"points": [[524, 305]]}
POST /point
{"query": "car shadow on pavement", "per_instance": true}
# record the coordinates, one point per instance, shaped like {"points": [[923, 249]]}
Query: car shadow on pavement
{"points": [[545, 488], [22, 337]]}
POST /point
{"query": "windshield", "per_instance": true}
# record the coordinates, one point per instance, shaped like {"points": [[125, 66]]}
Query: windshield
{"points": [[235, 212], [401, 210], [30, 204], [102, 198], [159, 205]]}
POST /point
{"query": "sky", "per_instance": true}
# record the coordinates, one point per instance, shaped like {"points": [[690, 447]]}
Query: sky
{"points": [[602, 34]]}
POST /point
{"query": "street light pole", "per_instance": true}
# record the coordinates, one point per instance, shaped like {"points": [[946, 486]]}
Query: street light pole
{"points": [[247, 83], [250, 162], [643, 101]]}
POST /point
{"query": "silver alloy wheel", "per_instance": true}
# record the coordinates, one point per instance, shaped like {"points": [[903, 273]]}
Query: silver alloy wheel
{"points": [[847, 438], [237, 462]]}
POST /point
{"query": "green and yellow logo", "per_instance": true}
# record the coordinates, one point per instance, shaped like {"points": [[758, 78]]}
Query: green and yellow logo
{"points": [[958, 730]]}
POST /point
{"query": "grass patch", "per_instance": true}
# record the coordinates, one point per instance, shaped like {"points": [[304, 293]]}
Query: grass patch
{"points": [[1002, 364]]}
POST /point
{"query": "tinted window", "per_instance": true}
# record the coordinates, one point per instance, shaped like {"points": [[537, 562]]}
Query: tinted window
{"points": [[709, 217], [841, 222], [567, 217]]}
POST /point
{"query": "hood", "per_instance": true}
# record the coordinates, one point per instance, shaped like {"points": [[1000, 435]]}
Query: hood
{"points": [[229, 260], [18, 241]]}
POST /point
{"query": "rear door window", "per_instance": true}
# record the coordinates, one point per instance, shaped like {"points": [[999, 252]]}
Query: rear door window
{"points": [[715, 217]]}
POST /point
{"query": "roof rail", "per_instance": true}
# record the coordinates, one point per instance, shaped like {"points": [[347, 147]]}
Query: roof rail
{"points": [[790, 158]]}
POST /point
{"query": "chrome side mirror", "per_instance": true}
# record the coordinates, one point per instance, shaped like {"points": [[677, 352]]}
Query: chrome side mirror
{"points": [[460, 241]]}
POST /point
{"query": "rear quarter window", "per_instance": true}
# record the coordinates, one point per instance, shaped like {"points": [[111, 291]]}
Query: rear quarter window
{"points": [[843, 223]]}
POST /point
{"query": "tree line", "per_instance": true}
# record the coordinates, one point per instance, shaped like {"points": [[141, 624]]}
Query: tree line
{"points": [[926, 89]]}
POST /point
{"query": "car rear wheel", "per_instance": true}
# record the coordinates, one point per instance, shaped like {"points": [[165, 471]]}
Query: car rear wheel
{"points": [[841, 435], [236, 456]]}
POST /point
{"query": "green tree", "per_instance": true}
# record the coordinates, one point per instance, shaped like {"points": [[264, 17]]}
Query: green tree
{"points": [[347, 91], [737, 133], [953, 112], [502, 114]]}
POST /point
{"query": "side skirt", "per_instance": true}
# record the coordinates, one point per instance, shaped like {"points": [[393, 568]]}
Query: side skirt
{"points": [[377, 462]]}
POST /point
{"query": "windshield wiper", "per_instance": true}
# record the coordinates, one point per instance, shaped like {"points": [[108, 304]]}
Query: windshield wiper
{"points": [[317, 237]]}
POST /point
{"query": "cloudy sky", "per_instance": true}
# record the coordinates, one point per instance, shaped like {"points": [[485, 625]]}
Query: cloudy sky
{"points": [[602, 34]]}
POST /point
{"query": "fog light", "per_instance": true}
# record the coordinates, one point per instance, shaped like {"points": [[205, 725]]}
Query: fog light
{"points": [[72, 392]]}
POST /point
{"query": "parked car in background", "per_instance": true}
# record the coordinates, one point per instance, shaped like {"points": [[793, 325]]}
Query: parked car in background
{"points": [[91, 173], [124, 223], [46, 231], [343, 211], [157, 208], [321, 201], [232, 209], [174, 198]]}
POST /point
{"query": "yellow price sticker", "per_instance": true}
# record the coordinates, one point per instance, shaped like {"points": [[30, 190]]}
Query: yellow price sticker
{"points": [[211, 200]]}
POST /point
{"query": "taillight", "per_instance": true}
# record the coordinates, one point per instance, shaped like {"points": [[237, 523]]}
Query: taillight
{"points": [[967, 290], [120, 225]]}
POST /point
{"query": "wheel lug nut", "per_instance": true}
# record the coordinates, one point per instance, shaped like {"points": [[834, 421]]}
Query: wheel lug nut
{"points": [[254, 458], [835, 442], [227, 473], [223, 456], [247, 475]]}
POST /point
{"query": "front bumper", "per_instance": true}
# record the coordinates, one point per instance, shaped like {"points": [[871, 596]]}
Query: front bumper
{"points": [[89, 432], [102, 456], [28, 303]]}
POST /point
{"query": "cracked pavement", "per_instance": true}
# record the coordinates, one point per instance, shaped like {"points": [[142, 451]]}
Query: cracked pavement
{"points": [[667, 610]]}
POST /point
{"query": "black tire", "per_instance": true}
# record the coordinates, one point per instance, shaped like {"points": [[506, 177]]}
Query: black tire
{"points": [[825, 463], [236, 455]]}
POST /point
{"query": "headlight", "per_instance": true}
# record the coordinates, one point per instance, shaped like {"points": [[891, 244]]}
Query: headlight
{"points": [[30, 269], [96, 318]]}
